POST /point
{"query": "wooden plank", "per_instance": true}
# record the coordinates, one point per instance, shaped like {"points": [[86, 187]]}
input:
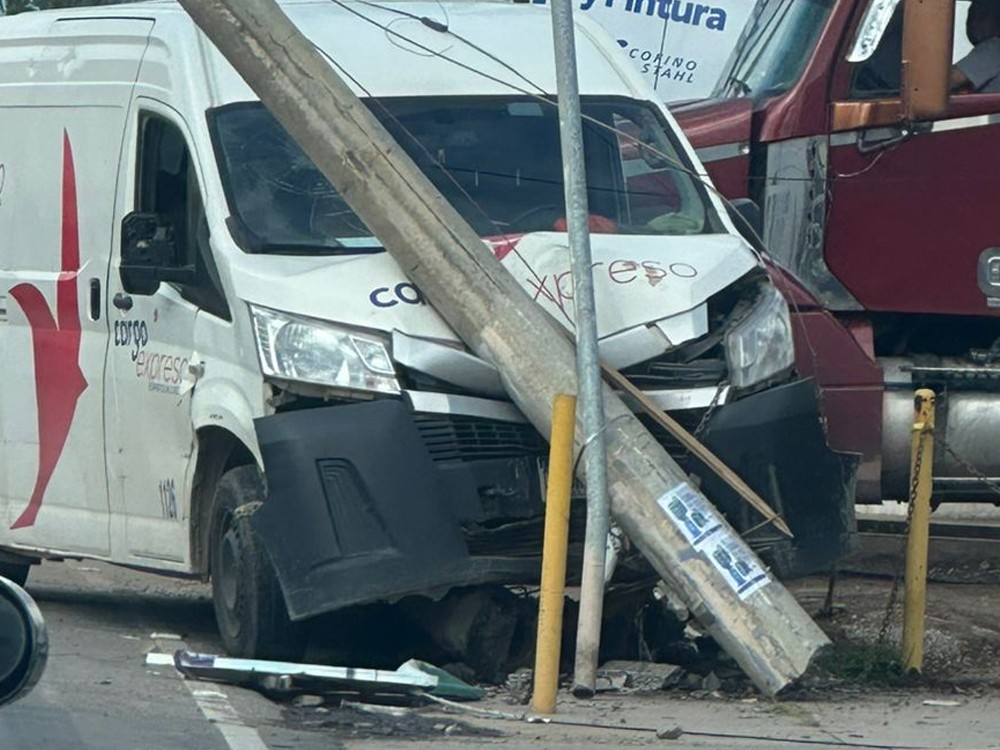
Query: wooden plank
{"points": [[697, 449]]}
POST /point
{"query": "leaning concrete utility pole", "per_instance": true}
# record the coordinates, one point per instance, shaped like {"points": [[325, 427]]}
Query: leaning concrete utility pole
{"points": [[685, 539]]}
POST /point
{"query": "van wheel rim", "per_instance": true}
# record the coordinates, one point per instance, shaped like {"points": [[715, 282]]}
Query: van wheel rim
{"points": [[228, 585]]}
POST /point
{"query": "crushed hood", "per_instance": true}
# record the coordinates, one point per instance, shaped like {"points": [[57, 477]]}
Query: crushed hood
{"points": [[638, 280], [650, 291]]}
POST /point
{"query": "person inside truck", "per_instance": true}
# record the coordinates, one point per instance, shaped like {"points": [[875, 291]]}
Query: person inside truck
{"points": [[979, 71]]}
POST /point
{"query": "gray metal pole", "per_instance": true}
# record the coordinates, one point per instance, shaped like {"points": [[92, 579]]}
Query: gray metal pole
{"points": [[588, 367]]}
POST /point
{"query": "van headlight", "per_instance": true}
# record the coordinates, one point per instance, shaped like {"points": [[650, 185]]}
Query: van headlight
{"points": [[761, 345], [312, 351]]}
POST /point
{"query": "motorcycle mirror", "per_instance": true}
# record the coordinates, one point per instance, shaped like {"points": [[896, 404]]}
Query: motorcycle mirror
{"points": [[24, 642]]}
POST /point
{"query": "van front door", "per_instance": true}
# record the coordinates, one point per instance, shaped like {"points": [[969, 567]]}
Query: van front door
{"points": [[148, 414]]}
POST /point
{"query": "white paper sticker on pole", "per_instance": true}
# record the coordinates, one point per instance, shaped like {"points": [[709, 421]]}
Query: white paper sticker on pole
{"points": [[699, 522], [737, 564], [690, 512]]}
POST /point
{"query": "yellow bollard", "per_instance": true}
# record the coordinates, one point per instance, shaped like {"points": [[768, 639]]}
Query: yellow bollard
{"points": [[550, 602], [921, 482]]}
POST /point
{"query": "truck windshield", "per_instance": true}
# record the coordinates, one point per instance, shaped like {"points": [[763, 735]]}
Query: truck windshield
{"points": [[774, 48], [497, 161]]}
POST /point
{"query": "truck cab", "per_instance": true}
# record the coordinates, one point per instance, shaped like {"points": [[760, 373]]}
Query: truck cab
{"points": [[881, 209]]}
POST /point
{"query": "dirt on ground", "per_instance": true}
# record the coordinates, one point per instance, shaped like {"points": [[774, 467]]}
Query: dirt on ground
{"points": [[962, 629]]}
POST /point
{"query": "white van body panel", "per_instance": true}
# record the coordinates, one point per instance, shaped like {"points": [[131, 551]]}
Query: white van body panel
{"points": [[371, 291], [60, 248]]}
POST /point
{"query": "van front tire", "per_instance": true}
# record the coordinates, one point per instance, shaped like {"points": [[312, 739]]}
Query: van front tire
{"points": [[249, 606]]}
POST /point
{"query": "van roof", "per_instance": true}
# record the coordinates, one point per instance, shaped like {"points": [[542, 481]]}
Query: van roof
{"points": [[382, 49]]}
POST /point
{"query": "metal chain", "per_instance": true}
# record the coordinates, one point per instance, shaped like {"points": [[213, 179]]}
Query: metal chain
{"points": [[941, 441], [712, 406], [901, 557], [991, 484]]}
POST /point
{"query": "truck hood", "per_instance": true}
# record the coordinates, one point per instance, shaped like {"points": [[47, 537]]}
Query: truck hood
{"points": [[720, 131], [658, 284]]}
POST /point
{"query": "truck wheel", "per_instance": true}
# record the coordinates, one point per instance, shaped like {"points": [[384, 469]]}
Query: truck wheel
{"points": [[249, 606]]}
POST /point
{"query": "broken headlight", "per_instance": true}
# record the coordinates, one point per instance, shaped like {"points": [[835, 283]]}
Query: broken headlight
{"points": [[760, 345], [312, 351]]}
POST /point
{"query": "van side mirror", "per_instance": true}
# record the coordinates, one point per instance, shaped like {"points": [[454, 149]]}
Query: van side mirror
{"points": [[24, 642], [150, 255], [928, 27]]}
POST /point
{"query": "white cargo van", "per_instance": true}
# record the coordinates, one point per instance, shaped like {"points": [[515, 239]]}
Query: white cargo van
{"points": [[212, 368]]}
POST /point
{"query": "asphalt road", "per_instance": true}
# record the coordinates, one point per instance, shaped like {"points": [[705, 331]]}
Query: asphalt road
{"points": [[98, 694]]}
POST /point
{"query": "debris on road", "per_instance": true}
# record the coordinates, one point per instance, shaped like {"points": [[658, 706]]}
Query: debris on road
{"points": [[638, 676], [290, 677]]}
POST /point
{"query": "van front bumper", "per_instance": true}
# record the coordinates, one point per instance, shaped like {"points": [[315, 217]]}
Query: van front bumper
{"points": [[776, 442], [373, 502], [370, 502]]}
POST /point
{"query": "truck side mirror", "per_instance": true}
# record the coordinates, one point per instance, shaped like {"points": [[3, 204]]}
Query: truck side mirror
{"points": [[928, 27], [149, 255], [24, 642]]}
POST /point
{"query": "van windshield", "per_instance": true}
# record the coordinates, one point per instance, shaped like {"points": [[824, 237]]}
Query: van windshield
{"points": [[497, 161], [774, 48]]}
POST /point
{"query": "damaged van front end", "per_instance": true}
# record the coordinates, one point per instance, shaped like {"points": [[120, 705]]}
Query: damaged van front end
{"points": [[396, 465], [394, 461]]}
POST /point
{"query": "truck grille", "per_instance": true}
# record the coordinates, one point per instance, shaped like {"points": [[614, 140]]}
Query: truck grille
{"points": [[458, 438]]}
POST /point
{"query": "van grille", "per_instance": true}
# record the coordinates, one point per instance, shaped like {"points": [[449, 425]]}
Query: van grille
{"points": [[458, 438], [688, 419], [663, 372]]}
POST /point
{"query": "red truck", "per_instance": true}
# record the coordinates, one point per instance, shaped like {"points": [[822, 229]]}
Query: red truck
{"points": [[878, 202]]}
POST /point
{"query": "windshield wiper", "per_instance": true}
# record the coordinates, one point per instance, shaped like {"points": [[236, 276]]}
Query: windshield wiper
{"points": [[268, 248], [252, 243]]}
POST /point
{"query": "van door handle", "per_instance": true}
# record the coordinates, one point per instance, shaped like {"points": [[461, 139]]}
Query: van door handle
{"points": [[122, 301], [95, 299]]}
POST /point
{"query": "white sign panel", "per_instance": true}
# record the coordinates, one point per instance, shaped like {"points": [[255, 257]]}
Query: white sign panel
{"points": [[679, 46]]}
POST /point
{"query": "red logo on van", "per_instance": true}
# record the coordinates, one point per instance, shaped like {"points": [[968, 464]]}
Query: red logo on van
{"points": [[59, 381]]}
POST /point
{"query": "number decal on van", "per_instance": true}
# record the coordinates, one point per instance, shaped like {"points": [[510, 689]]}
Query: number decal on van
{"points": [[168, 499], [59, 381]]}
